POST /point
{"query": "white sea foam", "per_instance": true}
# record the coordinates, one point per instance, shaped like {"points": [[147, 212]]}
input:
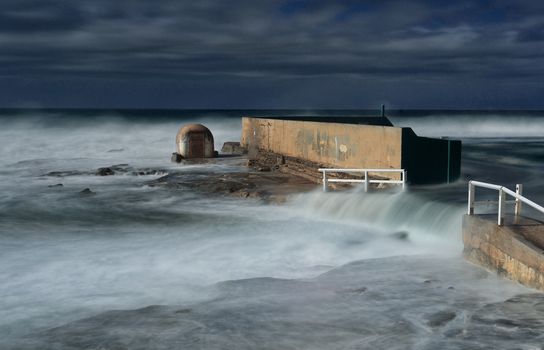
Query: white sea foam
{"points": [[90, 141], [65, 257], [478, 126]]}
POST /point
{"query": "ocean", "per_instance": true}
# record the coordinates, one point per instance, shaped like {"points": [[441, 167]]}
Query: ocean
{"points": [[139, 267]]}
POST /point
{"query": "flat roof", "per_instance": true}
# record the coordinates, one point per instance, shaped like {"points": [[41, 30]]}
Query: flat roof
{"points": [[346, 119]]}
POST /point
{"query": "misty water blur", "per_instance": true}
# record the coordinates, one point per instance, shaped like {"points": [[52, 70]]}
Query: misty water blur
{"points": [[475, 125], [64, 256]]}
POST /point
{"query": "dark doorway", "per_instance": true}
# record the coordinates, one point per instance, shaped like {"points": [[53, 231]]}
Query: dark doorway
{"points": [[196, 145]]}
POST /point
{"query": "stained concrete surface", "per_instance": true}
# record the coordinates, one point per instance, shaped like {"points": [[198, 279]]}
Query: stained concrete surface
{"points": [[513, 250]]}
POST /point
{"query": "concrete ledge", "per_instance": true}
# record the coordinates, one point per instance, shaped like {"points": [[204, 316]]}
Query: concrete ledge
{"points": [[513, 250]]}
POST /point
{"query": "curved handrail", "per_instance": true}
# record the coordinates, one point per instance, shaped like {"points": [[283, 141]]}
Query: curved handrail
{"points": [[502, 202]]}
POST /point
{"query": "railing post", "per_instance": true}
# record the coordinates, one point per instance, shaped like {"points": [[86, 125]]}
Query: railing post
{"points": [[517, 208], [502, 197], [367, 181], [403, 180], [325, 181], [471, 189]]}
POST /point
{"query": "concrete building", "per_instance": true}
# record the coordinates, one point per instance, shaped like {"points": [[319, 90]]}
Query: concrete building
{"points": [[195, 141], [355, 142]]}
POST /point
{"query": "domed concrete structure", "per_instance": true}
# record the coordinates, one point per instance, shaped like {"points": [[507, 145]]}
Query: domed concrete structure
{"points": [[195, 141]]}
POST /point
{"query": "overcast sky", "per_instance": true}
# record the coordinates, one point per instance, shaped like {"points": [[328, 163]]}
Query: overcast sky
{"points": [[272, 54]]}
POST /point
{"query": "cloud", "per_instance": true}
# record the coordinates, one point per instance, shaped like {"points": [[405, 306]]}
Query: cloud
{"points": [[213, 42]]}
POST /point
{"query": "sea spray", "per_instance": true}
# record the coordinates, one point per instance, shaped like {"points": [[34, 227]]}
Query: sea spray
{"points": [[389, 213], [474, 125], [65, 257]]}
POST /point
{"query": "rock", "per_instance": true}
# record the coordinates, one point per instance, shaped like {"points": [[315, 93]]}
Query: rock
{"points": [[269, 187], [120, 168], [401, 235], [116, 169], [360, 290], [440, 318], [149, 171], [330, 311], [253, 153], [105, 172], [264, 168], [87, 192], [64, 173], [232, 148], [183, 311], [430, 281], [56, 185], [176, 157], [282, 163]]}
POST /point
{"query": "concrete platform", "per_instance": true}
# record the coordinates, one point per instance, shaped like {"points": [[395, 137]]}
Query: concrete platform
{"points": [[514, 250]]}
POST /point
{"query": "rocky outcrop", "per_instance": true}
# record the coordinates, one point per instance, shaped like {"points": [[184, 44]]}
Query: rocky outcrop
{"points": [[55, 185], [271, 187], [270, 161], [118, 169], [262, 181], [86, 192], [105, 172]]}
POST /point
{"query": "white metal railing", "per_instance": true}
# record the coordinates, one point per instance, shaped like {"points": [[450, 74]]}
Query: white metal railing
{"points": [[367, 181], [503, 191]]}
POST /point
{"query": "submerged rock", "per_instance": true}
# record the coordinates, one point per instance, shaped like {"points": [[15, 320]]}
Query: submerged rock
{"points": [[440, 318], [64, 173], [176, 157], [87, 192], [359, 290], [105, 172], [117, 169], [56, 185], [400, 235]]}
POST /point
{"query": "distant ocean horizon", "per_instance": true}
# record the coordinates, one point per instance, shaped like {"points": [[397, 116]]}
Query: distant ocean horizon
{"points": [[308, 111]]}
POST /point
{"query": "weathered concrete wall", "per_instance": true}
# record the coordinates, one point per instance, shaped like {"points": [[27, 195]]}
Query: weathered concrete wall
{"points": [[335, 144], [512, 250], [356, 146]]}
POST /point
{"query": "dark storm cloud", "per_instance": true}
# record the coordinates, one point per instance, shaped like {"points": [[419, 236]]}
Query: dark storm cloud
{"points": [[27, 18], [214, 43]]}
